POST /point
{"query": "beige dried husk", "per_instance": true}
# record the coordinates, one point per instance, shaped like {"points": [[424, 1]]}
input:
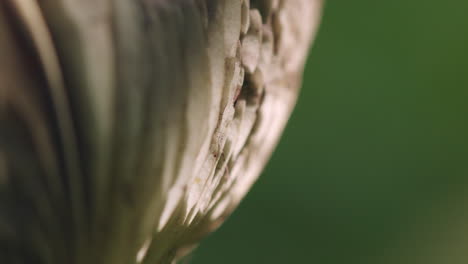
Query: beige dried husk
{"points": [[131, 129]]}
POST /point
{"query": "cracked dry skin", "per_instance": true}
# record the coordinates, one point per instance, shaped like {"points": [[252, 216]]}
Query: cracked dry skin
{"points": [[131, 129]]}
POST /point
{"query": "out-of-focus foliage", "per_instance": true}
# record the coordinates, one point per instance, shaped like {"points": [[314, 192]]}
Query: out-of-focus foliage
{"points": [[373, 167]]}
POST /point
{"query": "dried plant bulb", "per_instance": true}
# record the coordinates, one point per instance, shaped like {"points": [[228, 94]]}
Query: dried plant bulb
{"points": [[131, 129]]}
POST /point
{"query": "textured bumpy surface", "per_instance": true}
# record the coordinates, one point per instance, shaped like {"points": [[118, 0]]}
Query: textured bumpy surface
{"points": [[131, 129]]}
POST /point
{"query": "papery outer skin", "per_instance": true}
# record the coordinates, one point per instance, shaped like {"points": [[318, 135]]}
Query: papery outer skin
{"points": [[146, 122]]}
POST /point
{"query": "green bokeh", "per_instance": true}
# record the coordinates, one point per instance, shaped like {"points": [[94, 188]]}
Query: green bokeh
{"points": [[373, 166]]}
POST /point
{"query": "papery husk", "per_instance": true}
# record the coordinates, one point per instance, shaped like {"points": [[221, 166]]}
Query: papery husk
{"points": [[131, 129]]}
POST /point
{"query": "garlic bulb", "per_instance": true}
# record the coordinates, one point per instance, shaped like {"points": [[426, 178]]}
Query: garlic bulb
{"points": [[131, 129]]}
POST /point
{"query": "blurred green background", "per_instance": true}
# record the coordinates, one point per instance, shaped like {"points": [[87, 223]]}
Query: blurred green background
{"points": [[373, 166]]}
